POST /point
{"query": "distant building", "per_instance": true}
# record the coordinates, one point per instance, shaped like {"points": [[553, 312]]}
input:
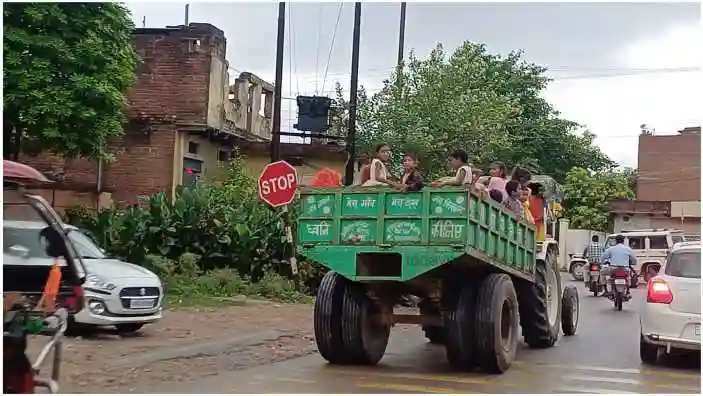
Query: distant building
{"points": [[668, 185], [184, 120]]}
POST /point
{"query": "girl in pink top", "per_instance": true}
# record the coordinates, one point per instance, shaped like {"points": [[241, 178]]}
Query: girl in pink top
{"points": [[496, 180]]}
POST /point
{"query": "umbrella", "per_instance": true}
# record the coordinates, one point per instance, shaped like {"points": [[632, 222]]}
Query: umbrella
{"points": [[17, 171]]}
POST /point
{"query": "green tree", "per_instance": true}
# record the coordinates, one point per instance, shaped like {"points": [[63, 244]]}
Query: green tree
{"points": [[486, 104], [587, 195], [339, 112], [67, 67]]}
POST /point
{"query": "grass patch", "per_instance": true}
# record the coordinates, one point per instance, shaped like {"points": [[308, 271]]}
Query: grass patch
{"points": [[220, 287]]}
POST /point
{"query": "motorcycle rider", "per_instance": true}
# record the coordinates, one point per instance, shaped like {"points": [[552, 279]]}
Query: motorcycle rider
{"points": [[619, 255], [592, 253]]}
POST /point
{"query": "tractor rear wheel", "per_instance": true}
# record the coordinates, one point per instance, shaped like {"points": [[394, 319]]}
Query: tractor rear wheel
{"points": [[460, 324], [540, 304], [327, 318], [496, 323], [365, 338]]}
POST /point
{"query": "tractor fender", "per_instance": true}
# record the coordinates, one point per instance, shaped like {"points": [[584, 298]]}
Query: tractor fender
{"points": [[546, 246]]}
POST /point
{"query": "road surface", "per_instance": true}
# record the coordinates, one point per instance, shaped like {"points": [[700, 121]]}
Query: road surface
{"points": [[603, 357]]}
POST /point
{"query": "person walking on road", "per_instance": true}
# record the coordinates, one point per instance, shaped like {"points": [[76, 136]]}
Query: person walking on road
{"points": [[619, 255]]}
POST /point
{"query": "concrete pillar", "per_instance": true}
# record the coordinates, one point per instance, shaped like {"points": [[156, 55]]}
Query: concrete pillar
{"points": [[563, 254]]}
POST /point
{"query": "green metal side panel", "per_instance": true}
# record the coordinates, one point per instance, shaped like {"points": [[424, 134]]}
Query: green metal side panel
{"points": [[427, 229]]}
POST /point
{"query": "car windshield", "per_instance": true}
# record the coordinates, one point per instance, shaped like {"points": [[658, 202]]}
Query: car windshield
{"points": [[684, 264], [23, 242], [26, 242], [84, 245]]}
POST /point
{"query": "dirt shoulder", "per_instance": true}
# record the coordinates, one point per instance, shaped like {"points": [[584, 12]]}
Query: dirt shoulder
{"points": [[186, 344]]}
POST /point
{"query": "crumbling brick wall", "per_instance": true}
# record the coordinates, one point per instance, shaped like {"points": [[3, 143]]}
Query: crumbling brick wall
{"points": [[171, 90]]}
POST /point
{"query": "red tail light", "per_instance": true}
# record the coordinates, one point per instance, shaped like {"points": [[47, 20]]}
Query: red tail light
{"points": [[75, 302], [594, 267], [620, 274], [658, 292]]}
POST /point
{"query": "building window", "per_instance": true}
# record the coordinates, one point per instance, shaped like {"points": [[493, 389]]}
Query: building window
{"points": [[194, 45], [224, 155], [193, 148]]}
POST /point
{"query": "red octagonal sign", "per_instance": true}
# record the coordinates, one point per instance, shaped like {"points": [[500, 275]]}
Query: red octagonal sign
{"points": [[278, 183]]}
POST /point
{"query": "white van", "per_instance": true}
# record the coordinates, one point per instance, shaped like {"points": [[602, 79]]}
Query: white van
{"points": [[650, 246]]}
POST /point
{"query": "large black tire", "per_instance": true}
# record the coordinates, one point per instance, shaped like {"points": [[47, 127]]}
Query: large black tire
{"points": [[648, 352], [460, 324], [496, 323], [344, 330], [538, 328], [327, 318], [365, 340], [435, 334], [569, 311]]}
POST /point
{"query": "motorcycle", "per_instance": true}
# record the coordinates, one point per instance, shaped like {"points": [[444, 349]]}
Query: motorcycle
{"points": [[592, 278], [619, 282]]}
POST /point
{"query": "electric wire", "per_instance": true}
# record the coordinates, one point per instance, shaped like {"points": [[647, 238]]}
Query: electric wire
{"points": [[317, 49], [597, 75], [290, 68], [334, 36]]}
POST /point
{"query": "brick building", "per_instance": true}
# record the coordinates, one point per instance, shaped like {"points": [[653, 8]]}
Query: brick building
{"points": [[184, 119], [668, 184]]}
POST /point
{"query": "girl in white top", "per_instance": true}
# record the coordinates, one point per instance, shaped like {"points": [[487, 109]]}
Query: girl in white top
{"points": [[458, 159], [379, 175]]}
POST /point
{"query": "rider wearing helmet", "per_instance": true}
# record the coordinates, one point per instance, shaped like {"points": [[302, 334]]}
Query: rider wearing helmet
{"points": [[619, 255]]}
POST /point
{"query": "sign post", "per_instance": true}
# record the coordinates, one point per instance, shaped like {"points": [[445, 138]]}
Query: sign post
{"points": [[278, 186]]}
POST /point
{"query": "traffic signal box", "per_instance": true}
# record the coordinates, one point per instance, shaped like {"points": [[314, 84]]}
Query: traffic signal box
{"points": [[313, 113]]}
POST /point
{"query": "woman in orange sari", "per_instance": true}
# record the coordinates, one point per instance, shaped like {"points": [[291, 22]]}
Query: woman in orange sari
{"points": [[536, 202]]}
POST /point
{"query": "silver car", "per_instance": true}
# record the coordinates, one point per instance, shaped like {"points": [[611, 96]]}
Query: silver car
{"points": [[117, 293]]}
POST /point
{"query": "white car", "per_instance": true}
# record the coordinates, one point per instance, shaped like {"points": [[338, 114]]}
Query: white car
{"points": [[116, 293], [671, 316]]}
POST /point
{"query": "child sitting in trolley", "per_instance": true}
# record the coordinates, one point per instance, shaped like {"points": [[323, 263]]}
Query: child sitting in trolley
{"points": [[495, 181], [412, 178], [512, 201], [378, 172], [458, 159]]}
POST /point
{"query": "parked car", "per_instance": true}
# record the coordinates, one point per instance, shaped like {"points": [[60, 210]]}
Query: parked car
{"points": [[116, 293], [670, 319], [577, 265]]}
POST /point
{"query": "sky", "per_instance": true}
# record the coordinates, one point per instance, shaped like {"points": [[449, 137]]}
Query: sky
{"points": [[615, 65]]}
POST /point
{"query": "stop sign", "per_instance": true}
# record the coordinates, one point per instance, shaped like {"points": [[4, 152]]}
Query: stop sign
{"points": [[278, 183]]}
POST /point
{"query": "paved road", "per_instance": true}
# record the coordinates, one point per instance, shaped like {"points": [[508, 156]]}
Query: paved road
{"points": [[584, 363]]}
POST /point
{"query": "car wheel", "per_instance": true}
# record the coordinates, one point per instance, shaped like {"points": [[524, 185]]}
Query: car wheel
{"points": [[128, 327], [648, 352]]}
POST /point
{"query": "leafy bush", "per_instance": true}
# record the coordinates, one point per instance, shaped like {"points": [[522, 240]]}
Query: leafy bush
{"points": [[219, 231]]}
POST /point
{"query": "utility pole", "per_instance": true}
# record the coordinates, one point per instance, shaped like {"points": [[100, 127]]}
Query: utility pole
{"points": [[278, 84], [401, 50], [401, 35], [354, 85]]}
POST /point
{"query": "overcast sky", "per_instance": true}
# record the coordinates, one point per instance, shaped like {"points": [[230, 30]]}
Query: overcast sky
{"points": [[607, 59]]}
